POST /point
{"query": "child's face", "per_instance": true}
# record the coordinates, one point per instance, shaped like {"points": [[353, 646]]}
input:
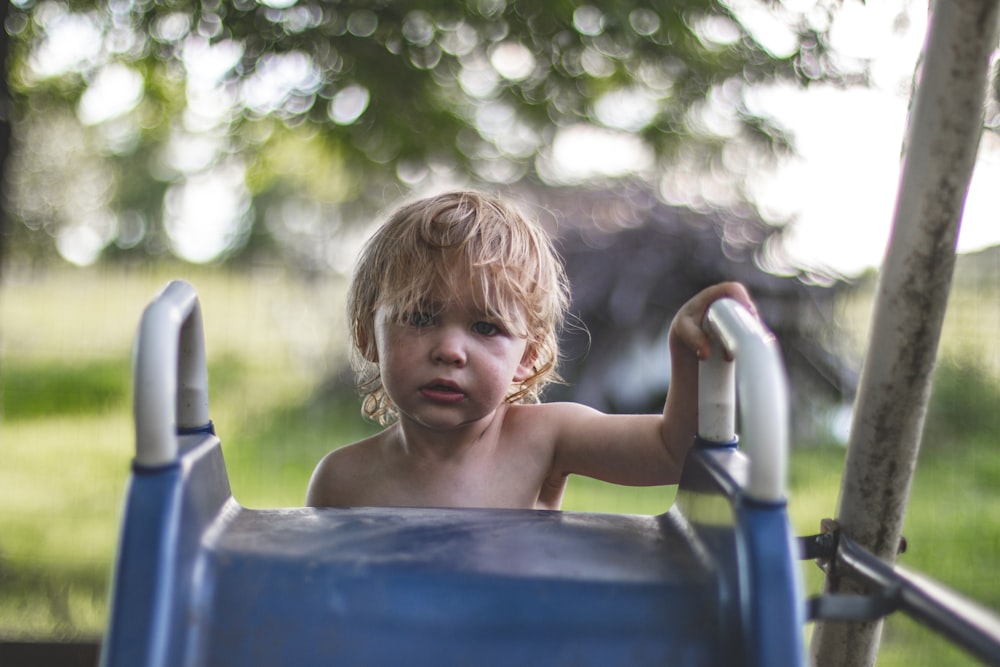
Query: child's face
{"points": [[450, 365]]}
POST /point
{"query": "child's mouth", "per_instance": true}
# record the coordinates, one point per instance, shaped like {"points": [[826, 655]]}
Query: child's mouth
{"points": [[442, 391]]}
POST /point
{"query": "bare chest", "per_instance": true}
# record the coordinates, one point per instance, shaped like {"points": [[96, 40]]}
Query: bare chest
{"points": [[491, 479]]}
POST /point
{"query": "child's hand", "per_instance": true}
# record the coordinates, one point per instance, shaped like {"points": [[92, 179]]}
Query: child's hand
{"points": [[685, 330]]}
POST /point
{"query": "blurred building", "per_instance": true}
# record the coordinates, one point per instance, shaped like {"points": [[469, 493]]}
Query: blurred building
{"points": [[633, 260]]}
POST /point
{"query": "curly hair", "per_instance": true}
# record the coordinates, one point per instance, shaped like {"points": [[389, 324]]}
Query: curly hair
{"points": [[425, 248]]}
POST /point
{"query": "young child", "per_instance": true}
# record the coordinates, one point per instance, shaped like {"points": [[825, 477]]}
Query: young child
{"points": [[455, 311]]}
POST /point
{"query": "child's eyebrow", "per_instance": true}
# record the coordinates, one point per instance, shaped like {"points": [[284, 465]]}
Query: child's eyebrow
{"points": [[492, 317], [511, 319], [426, 304]]}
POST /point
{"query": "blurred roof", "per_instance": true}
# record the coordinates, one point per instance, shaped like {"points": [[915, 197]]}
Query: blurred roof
{"points": [[633, 260]]}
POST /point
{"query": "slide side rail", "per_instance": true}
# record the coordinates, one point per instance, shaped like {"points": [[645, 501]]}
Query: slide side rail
{"points": [[170, 375], [746, 362]]}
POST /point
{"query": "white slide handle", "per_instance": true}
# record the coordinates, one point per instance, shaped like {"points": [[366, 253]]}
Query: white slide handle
{"points": [[757, 375], [169, 374]]}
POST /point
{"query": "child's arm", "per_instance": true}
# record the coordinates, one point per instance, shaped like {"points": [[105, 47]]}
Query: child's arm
{"points": [[643, 450]]}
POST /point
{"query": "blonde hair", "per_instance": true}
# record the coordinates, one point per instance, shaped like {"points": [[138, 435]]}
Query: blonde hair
{"points": [[425, 248]]}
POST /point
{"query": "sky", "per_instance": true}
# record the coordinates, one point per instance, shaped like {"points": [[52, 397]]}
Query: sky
{"points": [[842, 187], [840, 191]]}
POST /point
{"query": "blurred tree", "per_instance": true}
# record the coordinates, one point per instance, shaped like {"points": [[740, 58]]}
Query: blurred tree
{"points": [[208, 127], [5, 109]]}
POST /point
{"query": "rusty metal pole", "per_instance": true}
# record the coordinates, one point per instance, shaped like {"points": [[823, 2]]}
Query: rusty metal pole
{"points": [[942, 139]]}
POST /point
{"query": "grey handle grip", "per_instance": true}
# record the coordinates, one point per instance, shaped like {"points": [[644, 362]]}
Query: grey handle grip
{"points": [[170, 375], [763, 392]]}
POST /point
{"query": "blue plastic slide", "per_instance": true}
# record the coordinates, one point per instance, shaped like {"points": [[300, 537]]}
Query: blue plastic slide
{"points": [[201, 581]]}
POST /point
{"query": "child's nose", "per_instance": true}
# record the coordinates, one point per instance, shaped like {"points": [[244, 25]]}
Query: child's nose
{"points": [[449, 348]]}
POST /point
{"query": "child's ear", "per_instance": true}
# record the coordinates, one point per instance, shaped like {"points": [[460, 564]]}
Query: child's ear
{"points": [[527, 366]]}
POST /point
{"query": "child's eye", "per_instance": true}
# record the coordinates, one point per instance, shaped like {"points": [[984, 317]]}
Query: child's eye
{"points": [[485, 329], [420, 318]]}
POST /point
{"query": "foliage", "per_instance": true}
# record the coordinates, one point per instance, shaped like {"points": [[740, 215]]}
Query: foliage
{"points": [[963, 405], [160, 101]]}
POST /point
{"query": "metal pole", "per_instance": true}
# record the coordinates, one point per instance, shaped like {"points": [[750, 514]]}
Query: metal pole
{"points": [[941, 143]]}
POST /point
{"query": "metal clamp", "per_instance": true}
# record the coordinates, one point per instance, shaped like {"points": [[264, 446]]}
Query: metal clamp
{"points": [[955, 617]]}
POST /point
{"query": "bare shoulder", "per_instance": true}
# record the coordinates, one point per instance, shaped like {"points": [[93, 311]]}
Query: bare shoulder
{"points": [[623, 449], [552, 419], [340, 475], [549, 426], [549, 412]]}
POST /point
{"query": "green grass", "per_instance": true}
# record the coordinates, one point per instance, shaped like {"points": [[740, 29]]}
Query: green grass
{"points": [[66, 443], [66, 436], [952, 529], [43, 390]]}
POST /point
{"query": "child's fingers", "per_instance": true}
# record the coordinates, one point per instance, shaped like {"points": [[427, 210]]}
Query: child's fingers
{"points": [[687, 324], [689, 334], [731, 290]]}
